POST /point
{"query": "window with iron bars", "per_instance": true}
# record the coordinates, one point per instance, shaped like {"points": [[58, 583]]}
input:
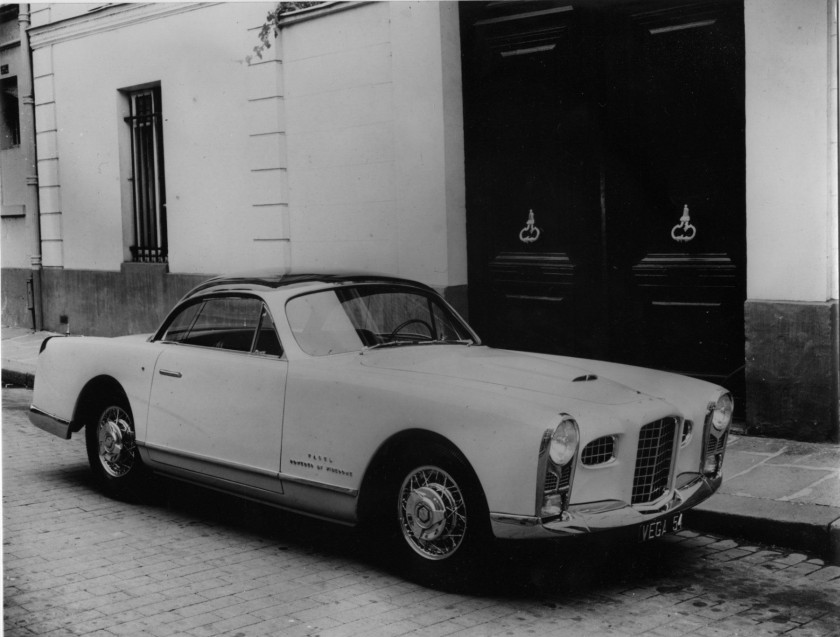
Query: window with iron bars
{"points": [[10, 120], [147, 177]]}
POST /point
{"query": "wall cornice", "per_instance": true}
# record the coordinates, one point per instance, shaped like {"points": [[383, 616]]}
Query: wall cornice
{"points": [[106, 19], [317, 11]]}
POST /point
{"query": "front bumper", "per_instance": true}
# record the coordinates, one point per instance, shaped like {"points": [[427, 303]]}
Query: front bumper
{"points": [[594, 517]]}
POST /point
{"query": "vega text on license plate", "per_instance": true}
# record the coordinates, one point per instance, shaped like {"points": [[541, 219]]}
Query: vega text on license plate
{"points": [[660, 527]]}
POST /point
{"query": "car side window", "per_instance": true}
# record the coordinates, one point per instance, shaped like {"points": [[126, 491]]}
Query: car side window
{"points": [[240, 324], [267, 342], [226, 323], [179, 327]]}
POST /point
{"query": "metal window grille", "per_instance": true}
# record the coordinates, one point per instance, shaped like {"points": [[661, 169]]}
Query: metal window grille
{"points": [[150, 241], [10, 122]]}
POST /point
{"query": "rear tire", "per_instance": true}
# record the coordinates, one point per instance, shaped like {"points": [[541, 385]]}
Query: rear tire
{"points": [[112, 449]]}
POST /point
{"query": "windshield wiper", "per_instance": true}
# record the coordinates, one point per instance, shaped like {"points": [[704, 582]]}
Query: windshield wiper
{"points": [[389, 344], [441, 341]]}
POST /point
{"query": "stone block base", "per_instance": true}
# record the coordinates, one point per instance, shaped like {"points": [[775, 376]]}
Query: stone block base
{"points": [[792, 378], [98, 303]]}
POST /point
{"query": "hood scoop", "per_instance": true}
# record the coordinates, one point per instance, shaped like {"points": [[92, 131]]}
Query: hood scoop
{"points": [[584, 378]]}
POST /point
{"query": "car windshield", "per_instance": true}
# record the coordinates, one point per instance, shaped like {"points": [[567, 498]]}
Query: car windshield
{"points": [[356, 318]]}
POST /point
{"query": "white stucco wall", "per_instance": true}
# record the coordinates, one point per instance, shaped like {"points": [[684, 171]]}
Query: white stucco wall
{"points": [[14, 243], [341, 149], [375, 141], [791, 138], [198, 56]]}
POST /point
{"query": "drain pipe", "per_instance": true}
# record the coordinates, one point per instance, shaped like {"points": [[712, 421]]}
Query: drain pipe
{"points": [[27, 141]]}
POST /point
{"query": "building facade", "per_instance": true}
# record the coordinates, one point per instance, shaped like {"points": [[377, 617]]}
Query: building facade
{"points": [[650, 184]]}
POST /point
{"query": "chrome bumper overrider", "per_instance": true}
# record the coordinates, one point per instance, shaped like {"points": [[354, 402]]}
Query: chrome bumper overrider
{"points": [[51, 424], [593, 517]]}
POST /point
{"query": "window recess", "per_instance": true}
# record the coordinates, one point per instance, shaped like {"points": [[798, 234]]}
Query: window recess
{"points": [[147, 177]]}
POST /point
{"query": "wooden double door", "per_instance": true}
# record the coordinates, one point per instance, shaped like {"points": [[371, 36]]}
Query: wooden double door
{"points": [[605, 170]]}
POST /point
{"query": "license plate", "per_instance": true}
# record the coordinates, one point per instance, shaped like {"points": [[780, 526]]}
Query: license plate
{"points": [[660, 527]]}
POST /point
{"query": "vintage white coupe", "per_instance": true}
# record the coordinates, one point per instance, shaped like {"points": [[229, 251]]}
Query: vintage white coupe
{"points": [[367, 400]]}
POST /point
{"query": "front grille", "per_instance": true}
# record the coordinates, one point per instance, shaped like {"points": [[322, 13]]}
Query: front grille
{"points": [[553, 481], [598, 451], [715, 445], [653, 460]]}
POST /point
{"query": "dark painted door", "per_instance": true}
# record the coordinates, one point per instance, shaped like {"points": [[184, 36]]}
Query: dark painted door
{"points": [[605, 180]]}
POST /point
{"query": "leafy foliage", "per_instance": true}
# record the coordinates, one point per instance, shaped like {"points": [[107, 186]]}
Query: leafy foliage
{"points": [[271, 28]]}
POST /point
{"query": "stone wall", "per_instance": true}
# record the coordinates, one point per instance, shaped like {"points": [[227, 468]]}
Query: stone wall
{"points": [[792, 370]]}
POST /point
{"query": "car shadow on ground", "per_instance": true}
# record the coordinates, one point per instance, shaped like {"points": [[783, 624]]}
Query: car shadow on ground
{"points": [[516, 569], [577, 566]]}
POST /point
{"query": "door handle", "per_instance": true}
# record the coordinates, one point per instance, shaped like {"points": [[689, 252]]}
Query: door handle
{"points": [[166, 372]]}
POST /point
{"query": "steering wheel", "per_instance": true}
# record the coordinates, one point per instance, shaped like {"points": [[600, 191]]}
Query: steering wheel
{"points": [[396, 330]]}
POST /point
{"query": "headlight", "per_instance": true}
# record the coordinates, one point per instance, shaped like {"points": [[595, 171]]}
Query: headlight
{"points": [[722, 412], [564, 441]]}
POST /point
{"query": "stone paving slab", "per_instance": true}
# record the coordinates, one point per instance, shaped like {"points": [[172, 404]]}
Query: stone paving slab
{"points": [[779, 492], [775, 482]]}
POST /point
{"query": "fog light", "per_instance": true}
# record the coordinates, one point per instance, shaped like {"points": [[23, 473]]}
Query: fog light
{"points": [[553, 506], [712, 465]]}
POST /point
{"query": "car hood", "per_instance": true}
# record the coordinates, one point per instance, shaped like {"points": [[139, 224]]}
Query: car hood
{"points": [[548, 375]]}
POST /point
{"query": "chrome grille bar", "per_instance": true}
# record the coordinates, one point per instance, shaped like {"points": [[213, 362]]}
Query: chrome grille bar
{"points": [[715, 445], [653, 460], [555, 482]]}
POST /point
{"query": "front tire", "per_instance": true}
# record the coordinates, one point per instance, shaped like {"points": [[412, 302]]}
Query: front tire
{"points": [[112, 449], [432, 512], [440, 529]]}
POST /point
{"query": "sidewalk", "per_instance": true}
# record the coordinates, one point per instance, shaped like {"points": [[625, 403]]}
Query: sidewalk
{"points": [[775, 491], [19, 351]]}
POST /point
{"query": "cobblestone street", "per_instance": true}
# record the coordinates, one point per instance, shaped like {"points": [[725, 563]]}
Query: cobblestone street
{"points": [[188, 561]]}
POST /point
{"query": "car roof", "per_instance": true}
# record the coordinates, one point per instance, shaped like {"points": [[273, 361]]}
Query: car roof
{"points": [[271, 280]]}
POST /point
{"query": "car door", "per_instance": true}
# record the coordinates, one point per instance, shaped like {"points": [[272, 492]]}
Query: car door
{"points": [[216, 404]]}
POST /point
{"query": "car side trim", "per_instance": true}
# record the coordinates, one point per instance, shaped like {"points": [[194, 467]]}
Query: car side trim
{"points": [[321, 485], [49, 423], [247, 469], [166, 451]]}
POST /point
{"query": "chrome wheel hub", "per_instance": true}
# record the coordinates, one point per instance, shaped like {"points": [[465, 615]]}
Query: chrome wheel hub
{"points": [[432, 513], [116, 442]]}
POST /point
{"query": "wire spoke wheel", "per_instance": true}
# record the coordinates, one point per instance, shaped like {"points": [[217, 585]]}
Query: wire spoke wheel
{"points": [[432, 513], [115, 439]]}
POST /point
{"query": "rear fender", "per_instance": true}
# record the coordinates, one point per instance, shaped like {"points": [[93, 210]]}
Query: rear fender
{"points": [[71, 370]]}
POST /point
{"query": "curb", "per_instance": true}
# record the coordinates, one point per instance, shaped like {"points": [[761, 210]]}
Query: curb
{"points": [[810, 528]]}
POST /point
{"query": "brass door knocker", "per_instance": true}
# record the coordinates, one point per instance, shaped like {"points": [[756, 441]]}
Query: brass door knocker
{"points": [[684, 232], [530, 232]]}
